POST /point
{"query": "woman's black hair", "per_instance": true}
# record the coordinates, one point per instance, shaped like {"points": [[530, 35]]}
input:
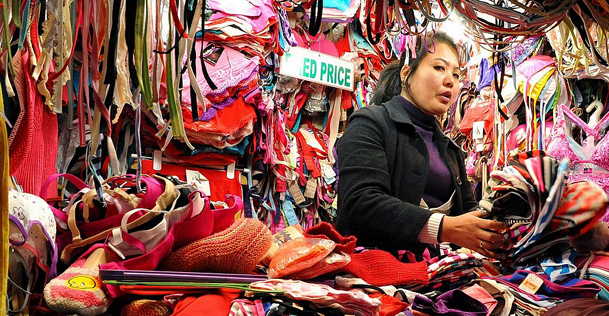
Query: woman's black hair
{"points": [[390, 83]]}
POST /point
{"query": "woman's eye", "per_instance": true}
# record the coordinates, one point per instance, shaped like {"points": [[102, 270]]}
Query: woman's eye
{"points": [[439, 68], [456, 76]]}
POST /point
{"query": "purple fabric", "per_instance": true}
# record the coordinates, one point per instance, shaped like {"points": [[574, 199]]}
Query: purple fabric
{"points": [[451, 303], [439, 186], [212, 111], [487, 74], [286, 30], [524, 50]]}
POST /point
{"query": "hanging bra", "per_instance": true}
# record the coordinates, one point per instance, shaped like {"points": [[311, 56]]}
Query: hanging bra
{"points": [[592, 166]]}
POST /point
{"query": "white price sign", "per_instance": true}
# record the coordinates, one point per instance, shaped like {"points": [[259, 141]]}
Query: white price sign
{"points": [[316, 67]]}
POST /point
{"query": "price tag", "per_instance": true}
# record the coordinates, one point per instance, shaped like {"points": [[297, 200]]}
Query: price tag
{"points": [[587, 168], [478, 130], [290, 214], [311, 188], [327, 170], [296, 193], [531, 283], [329, 180], [198, 180]]}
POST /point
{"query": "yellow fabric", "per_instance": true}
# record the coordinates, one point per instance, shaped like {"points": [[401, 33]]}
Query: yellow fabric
{"points": [[538, 82], [4, 180], [534, 93]]}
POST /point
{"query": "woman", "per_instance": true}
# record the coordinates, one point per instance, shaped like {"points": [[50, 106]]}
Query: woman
{"points": [[402, 183]]}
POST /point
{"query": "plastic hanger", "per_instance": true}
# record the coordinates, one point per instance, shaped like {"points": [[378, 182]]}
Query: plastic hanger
{"points": [[595, 109]]}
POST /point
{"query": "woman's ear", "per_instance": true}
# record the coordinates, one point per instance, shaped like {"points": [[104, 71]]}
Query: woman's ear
{"points": [[404, 72]]}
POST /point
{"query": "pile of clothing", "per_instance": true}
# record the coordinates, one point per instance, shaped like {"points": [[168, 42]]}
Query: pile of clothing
{"points": [[539, 209], [453, 270], [247, 26]]}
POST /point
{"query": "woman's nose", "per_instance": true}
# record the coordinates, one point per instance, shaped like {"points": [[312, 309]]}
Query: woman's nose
{"points": [[448, 81]]}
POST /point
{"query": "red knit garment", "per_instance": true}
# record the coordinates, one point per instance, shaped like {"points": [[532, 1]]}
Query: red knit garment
{"points": [[209, 304], [33, 150], [379, 268], [235, 250], [325, 230]]}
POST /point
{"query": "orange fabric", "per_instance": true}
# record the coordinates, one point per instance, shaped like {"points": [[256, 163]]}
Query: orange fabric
{"points": [[228, 121], [391, 305], [299, 254]]}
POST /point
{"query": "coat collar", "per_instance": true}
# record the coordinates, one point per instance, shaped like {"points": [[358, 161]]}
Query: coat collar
{"points": [[398, 114]]}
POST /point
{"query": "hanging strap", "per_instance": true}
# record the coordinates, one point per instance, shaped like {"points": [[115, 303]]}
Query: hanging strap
{"points": [[316, 17], [141, 51], [4, 217], [378, 13], [334, 124], [7, 37], [195, 90], [175, 111], [308, 154], [84, 76]]}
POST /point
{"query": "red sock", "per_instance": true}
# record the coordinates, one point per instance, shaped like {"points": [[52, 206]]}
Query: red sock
{"points": [[378, 267]]}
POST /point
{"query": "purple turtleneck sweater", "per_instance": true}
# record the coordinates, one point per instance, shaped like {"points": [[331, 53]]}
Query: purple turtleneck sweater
{"points": [[439, 186]]}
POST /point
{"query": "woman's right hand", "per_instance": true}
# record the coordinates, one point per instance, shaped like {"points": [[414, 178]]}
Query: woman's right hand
{"points": [[472, 231]]}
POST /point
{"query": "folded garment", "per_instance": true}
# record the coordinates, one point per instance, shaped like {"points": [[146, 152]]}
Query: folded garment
{"points": [[338, 11], [580, 307], [257, 23], [480, 294], [227, 128], [567, 289], [348, 302]]}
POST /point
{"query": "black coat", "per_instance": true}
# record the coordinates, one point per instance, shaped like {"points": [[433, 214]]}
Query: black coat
{"points": [[383, 163]]}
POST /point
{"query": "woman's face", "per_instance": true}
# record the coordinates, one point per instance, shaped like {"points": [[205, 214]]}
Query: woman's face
{"points": [[435, 84]]}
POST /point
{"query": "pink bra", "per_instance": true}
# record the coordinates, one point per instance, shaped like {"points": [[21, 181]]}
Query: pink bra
{"points": [[592, 166], [563, 145]]}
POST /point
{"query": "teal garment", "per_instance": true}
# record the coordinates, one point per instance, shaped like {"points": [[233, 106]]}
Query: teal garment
{"points": [[341, 5], [359, 40]]}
